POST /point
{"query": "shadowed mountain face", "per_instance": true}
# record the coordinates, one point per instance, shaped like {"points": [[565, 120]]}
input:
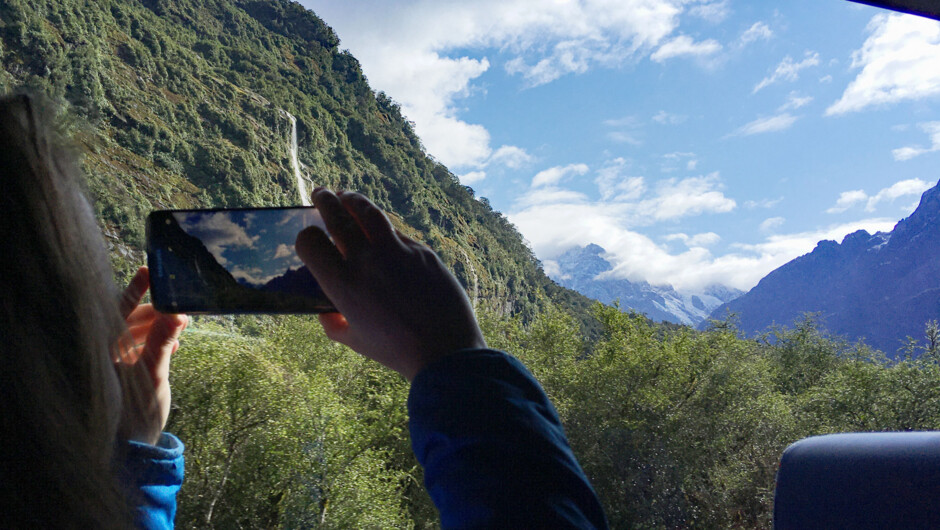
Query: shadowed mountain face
{"points": [[295, 281], [197, 278], [579, 269], [881, 288]]}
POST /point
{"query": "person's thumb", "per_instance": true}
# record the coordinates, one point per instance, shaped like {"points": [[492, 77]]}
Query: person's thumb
{"points": [[322, 259]]}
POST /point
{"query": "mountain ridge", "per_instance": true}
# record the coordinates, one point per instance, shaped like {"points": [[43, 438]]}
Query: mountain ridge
{"points": [[880, 288]]}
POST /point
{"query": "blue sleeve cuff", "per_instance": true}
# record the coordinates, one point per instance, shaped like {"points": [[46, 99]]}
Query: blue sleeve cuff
{"points": [[154, 475]]}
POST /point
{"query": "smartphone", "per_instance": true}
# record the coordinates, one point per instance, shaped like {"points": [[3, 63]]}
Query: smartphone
{"points": [[231, 261]]}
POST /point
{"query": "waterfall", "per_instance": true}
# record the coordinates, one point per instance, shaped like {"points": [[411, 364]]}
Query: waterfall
{"points": [[475, 293], [295, 162]]}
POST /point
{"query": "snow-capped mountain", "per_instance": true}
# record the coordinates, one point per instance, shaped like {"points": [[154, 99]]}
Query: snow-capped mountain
{"points": [[580, 267]]}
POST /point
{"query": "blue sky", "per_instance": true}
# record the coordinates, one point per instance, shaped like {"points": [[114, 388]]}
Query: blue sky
{"points": [[697, 141]]}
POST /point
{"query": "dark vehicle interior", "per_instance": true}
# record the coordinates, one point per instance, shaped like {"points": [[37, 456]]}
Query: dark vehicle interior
{"points": [[924, 8]]}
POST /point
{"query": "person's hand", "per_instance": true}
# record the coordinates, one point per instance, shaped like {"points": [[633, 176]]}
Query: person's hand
{"points": [[145, 353], [398, 304]]}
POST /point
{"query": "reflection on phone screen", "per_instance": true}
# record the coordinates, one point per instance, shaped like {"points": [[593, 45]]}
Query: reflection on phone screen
{"points": [[232, 261]]}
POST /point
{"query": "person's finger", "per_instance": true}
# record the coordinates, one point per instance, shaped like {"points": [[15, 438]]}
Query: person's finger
{"points": [[321, 257], [335, 325], [140, 326], [373, 221], [142, 314], [160, 345], [135, 291], [139, 333], [313, 193], [347, 235], [407, 240]]}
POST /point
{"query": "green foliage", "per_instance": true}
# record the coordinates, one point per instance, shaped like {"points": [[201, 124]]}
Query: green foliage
{"points": [[675, 428], [285, 429], [678, 428]]}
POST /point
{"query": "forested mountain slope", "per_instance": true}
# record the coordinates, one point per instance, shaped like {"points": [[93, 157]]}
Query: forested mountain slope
{"points": [[880, 288], [194, 103]]}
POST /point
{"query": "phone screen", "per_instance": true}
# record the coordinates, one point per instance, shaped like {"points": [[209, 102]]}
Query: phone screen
{"points": [[231, 261]]}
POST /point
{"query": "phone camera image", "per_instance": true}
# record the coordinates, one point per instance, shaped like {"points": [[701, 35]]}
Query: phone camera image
{"points": [[232, 261]]}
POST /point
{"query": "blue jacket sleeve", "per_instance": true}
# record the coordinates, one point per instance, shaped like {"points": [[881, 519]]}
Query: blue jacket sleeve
{"points": [[154, 476], [493, 449]]}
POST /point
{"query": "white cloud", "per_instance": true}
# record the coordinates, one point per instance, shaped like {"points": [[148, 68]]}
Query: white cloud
{"points": [[847, 199], [624, 137], [548, 195], [474, 176], [764, 125], [553, 227], [788, 70], [510, 156], [568, 57], [287, 252], [554, 175], [554, 220], [899, 61], [674, 159], [711, 11], [217, 231], [795, 101], [614, 185], [758, 31], [825, 79], [284, 251], [553, 270], [666, 118], [681, 198], [705, 239], [903, 188], [932, 128], [684, 45], [628, 130], [771, 224], [253, 275], [626, 121], [907, 153], [898, 189], [453, 142], [427, 54], [763, 203]]}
